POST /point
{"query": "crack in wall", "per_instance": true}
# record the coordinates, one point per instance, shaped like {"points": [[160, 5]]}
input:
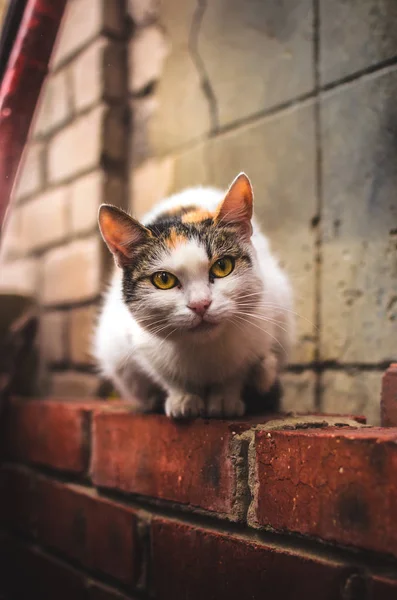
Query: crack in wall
{"points": [[193, 43]]}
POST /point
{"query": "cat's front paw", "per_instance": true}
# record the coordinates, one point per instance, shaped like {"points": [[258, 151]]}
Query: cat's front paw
{"points": [[222, 404], [184, 406], [266, 373]]}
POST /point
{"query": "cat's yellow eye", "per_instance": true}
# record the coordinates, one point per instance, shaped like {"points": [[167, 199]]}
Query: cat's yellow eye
{"points": [[164, 280], [222, 267]]}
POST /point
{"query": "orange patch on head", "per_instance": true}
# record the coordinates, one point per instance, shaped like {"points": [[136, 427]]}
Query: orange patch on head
{"points": [[196, 216], [178, 211], [174, 239]]}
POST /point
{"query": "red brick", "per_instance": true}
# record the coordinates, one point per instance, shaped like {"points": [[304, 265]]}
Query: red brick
{"points": [[383, 588], [389, 397], [26, 574], [151, 455], [338, 485], [194, 563], [191, 463], [98, 533], [51, 433], [99, 592], [16, 494]]}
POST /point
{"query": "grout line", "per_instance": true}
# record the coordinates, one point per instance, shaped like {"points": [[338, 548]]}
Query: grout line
{"points": [[267, 113], [291, 542], [377, 69], [319, 199], [193, 48], [89, 575], [319, 91], [331, 365]]}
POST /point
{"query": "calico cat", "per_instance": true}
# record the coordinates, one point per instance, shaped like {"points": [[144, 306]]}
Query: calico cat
{"points": [[197, 306]]}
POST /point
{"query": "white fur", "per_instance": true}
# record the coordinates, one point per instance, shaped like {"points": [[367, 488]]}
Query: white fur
{"points": [[218, 360]]}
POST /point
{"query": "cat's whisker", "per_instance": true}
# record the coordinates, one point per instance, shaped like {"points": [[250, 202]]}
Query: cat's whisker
{"points": [[267, 320], [166, 338], [282, 309], [236, 325], [264, 330]]}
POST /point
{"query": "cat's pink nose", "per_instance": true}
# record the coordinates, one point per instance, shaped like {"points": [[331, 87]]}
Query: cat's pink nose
{"points": [[200, 307]]}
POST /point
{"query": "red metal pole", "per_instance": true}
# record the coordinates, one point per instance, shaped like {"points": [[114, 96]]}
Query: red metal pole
{"points": [[21, 85]]}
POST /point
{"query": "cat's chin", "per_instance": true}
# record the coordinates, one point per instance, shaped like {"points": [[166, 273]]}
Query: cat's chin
{"points": [[204, 331], [204, 327]]}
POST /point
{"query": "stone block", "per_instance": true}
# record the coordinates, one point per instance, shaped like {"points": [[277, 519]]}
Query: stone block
{"points": [[81, 329], [389, 397], [192, 167], [83, 21], [12, 244], [352, 392], [256, 54], [31, 172], [76, 148], [183, 114], [359, 265], [298, 392], [97, 73], [115, 190], [115, 134], [355, 35], [143, 12], [20, 277], [55, 105], [53, 331], [86, 73], [278, 154], [150, 183], [44, 220], [114, 18], [142, 110], [147, 52], [74, 384], [86, 194], [72, 273], [114, 70]]}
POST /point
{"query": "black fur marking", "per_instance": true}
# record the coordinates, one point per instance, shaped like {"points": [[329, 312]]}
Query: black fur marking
{"points": [[217, 241]]}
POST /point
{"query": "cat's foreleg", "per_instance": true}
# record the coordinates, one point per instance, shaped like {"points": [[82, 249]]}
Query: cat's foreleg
{"points": [[135, 387], [225, 400], [266, 372]]}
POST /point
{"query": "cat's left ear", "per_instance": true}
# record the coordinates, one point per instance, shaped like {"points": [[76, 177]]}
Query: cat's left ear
{"points": [[236, 208]]}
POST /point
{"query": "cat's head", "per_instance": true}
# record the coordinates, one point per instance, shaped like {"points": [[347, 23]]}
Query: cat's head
{"points": [[190, 272]]}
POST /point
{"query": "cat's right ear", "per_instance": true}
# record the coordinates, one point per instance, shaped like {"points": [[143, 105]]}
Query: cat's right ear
{"points": [[121, 233]]}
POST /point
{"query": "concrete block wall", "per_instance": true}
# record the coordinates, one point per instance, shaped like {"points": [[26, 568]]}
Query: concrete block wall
{"points": [[300, 95], [75, 159]]}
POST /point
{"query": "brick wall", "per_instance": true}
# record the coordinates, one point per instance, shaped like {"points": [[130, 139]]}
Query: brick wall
{"points": [[300, 95], [75, 159], [98, 503]]}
